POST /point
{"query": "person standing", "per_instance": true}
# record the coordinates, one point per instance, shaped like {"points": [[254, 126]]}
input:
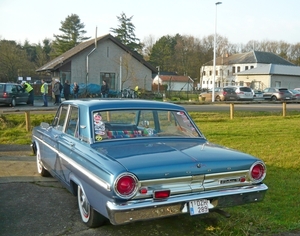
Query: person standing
{"points": [[67, 90], [75, 90], [104, 89], [56, 91], [44, 91], [28, 88]]}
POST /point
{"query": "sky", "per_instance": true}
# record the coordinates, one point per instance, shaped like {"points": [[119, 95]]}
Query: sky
{"points": [[240, 21]]}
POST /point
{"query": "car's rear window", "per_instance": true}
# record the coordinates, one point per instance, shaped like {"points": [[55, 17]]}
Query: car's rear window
{"points": [[245, 89], [283, 90], [1, 88]]}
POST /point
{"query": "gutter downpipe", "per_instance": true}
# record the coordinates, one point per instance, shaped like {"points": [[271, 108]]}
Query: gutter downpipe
{"points": [[87, 63]]}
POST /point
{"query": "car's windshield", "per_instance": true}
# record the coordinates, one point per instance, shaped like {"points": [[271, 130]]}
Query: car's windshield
{"points": [[142, 123]]}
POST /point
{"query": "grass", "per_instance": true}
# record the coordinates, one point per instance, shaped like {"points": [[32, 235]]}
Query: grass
{"points": [[269, 136]]}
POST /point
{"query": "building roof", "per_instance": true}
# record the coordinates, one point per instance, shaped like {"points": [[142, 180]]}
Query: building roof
{"points": [[251, 57], [67, 56], [273, 69], [176, 78]]}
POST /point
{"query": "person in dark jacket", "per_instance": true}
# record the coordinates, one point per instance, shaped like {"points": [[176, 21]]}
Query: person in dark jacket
{"points": [[76, 90], [67, 90], [104, 89]]}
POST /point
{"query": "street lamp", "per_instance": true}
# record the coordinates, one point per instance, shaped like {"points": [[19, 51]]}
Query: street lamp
{"points": [[214, 63], [158, 68]]}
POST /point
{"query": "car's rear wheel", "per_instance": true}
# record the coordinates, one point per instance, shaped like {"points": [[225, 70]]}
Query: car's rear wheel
{"points": [[40, 168], [218, 99], [273, 98], [88, 215]]}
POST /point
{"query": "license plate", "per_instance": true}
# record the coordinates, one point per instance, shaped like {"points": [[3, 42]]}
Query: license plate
{"points": [[198, 207]]}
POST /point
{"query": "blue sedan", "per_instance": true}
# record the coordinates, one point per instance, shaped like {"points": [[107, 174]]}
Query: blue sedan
{"points": [[132, 160]]}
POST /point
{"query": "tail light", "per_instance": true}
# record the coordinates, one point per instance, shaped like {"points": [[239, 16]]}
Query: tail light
{"points": [[126, 185], [161, 194], [5, 95], [258, 172]]}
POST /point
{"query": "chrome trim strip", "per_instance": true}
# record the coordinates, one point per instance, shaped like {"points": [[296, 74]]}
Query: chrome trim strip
{"points": [[80, 168]]}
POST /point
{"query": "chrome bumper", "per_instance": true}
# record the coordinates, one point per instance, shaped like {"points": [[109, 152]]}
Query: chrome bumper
{"points": [[150, 209]]}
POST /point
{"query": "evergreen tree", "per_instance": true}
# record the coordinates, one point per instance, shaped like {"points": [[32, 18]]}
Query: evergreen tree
{"points": [[125, 33], [73, 31]]}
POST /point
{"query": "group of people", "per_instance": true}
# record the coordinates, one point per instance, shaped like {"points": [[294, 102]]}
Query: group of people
{"points": [[57, 90]]}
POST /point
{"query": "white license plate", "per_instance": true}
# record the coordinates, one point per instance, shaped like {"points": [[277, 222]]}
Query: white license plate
{"points": [[198, 207]]}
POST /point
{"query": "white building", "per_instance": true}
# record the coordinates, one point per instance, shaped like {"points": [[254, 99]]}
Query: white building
{"points": [[255, 69]]}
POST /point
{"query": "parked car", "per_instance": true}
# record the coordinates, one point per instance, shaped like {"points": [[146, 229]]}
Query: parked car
{"points": [[129, 160], [298, 89], [275, 94], [295, 94], [12, 94], [257, 94], [243, 92], [221, 94]]}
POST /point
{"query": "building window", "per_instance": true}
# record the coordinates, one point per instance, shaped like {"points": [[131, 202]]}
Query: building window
{"points": [[107, 51], [221, 72], [203, 73], [238, 69], [216, 72], [210, 72], [228, 72], [233, 69], [110, 78], [252, 67], [277, 83], [246, 67], [203, 82], [241, 83]]}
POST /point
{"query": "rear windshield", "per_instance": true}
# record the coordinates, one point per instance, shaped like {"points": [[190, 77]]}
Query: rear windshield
{"points": [[245, 89], [283, 90]]}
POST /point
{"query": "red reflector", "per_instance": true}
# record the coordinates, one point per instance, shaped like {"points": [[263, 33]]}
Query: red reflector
{"points": [[162, 194], [143, 190]]}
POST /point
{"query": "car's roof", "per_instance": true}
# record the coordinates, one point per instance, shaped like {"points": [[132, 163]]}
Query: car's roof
{"points": [[118, 103]]}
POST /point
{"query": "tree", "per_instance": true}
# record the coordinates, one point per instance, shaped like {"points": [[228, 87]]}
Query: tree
{"points": [[73, 32], [14, 61], [125, 33]]}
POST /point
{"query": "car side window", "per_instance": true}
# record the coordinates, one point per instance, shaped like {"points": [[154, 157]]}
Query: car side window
{"points": [[72, 124], [60, 117]]}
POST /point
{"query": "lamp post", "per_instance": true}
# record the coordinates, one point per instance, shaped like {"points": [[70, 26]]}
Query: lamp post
{"points": [[158, 67], [214, 63]]}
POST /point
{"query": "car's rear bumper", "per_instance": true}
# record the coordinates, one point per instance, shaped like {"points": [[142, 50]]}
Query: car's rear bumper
{"points": [[151, 209]]}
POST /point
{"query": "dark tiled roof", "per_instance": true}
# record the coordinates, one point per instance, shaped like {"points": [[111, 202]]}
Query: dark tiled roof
{"points": [[251, 57], [67, 56]]}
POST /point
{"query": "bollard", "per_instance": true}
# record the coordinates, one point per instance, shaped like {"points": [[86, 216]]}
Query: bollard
{"points": [[231, 110], [284, 109]]}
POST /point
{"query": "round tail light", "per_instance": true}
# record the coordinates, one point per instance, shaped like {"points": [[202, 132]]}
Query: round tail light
{"points": [[258, 172], [126, 185]]}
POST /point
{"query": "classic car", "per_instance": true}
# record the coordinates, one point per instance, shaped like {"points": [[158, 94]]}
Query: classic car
{"points": [[132, 160]]}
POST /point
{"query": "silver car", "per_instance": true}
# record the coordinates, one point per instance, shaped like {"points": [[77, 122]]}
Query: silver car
{"points": [[275, 94], [243, 92]]}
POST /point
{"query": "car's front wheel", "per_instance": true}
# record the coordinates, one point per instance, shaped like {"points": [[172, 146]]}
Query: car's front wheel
{"points": [[88, 215]]}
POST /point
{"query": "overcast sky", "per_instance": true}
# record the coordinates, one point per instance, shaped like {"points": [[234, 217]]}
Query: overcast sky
{"points": [[238, 20]]}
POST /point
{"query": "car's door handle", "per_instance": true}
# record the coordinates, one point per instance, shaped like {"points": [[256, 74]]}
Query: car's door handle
{"points": [[70, 143]]}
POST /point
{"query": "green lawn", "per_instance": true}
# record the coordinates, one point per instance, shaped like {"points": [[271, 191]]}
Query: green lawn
{"points": [[269, 136]]}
